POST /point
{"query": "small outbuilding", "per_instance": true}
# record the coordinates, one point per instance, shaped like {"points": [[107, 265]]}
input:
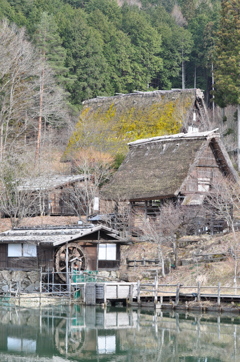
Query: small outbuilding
{"points": [[91, 248], [55, 194]]}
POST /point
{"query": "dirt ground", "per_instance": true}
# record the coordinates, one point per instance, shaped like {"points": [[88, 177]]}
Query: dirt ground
{"points": [[207, 273]]}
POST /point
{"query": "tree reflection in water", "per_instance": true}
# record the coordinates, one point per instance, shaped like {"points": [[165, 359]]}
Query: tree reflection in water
{"points": [[79, 333]]}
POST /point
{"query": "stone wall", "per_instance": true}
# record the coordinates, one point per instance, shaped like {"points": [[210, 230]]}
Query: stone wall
{"points": [[26, 282]]}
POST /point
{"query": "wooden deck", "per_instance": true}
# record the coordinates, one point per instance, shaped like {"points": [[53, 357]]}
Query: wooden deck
{"points": [[154, 294]]}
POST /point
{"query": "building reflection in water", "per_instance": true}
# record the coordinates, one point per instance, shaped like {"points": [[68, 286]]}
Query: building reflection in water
{"points": [[117, 334]]}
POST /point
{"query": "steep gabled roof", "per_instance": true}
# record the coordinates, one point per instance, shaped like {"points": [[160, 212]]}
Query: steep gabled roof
{"points": [[157, 167], [125, 117]]}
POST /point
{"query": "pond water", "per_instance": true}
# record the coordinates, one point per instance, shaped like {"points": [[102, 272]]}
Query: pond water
{"points": [[80, 333]]}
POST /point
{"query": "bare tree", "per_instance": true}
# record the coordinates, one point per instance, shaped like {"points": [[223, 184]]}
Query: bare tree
{"points": [[223, 201], [95, 168], [17, 86], [23, 78], [15, 202], [171, 222]]}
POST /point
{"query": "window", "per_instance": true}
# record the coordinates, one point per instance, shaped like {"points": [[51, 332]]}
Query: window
{"points": [[203, 184], [204, 177], [22, 250], [15, 344], [107, 252], [106, 344]]}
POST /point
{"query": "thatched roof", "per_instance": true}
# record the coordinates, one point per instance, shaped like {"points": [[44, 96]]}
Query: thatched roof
{"points": [[110, 122], [157, 167]]}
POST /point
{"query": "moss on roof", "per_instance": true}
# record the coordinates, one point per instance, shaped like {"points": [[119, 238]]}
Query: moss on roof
{"points": [[109, 123]]}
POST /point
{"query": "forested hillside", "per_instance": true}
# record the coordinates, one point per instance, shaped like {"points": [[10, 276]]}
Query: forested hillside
{"points": [[104, 47]]}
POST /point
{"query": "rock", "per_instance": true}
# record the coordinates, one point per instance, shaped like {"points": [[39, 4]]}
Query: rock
{"points": [[33, 276], [104, 274], [187, 261], [30, 288], [18, 276], [6, 275], [123, 276], [37, 285], [5, 288], [114, 275]]}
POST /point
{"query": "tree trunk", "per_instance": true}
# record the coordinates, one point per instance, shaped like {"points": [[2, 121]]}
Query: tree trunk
{"points": [[160, 256], [175, 251], [39, 135], [195, 78], [238, 138], [183, 74], [213, 103]]}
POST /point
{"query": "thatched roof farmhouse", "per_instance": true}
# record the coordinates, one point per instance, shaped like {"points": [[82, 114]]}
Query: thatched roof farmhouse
{"points": [[181, 166], [164, 167], [113, 121]]}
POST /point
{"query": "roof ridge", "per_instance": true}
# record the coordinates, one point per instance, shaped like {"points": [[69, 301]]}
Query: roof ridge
{"points": [[192, 135]]}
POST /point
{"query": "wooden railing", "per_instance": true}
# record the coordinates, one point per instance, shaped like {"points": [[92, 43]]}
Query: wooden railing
{"points": [[195, 292], [141, 262]]}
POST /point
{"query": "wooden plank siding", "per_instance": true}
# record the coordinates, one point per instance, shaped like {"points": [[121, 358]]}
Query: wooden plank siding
{"points": [[3, 256], [44, 259]]}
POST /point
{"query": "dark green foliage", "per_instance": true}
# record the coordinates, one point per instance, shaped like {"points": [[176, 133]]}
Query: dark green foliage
{"points": [[228, 132], [118, 160], [99, 48], [227, 59]]}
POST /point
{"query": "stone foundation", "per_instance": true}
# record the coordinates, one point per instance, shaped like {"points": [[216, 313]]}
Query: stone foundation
{"points": [[15, 281]]}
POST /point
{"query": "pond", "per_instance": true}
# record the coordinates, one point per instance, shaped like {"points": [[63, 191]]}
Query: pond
{"points": [[79, 333]]}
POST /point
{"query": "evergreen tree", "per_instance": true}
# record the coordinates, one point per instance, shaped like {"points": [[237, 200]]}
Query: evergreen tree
{"points": [[49, 43], [118, 52], [85, 57], [227, 73], [146, 41]]}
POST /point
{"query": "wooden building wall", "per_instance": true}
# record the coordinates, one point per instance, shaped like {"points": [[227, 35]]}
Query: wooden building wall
{"points": [[44, 259]]}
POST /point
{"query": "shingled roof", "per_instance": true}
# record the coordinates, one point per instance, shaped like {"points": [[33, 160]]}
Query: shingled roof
{"points": [[57, 235], [157, 167]]}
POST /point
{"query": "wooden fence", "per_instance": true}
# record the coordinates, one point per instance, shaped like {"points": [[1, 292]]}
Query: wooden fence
{"points": [[175, 293], [141, 262]]}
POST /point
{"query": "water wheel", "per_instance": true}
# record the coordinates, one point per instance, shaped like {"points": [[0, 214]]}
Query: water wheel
{"points": [[76, 259], [69, 341]]}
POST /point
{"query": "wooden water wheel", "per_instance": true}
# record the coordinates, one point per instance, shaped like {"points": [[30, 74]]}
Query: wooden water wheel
{"points": [[69, 341], [76, 259]]}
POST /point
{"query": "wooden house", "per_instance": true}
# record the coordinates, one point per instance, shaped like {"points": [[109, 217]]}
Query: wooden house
{"points": [[181, 167], [55, 195], [80, 247]]}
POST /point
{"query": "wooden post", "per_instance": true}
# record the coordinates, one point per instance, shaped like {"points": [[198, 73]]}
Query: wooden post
{"points": [[84, 293], [105, 294], [67, 270], [40, 296], [138, 291], [219, 295], [198, 292], [177, 294], [156, 291], [161, 299], [40, 286], [130, 299]]}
